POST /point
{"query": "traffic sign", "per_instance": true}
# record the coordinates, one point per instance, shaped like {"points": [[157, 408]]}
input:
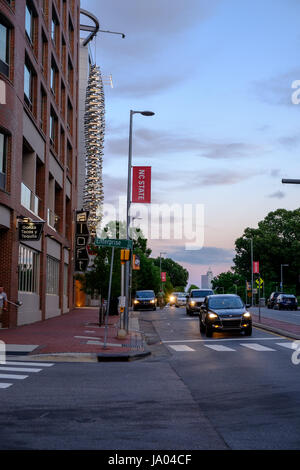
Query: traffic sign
{"points": [[259, 282], [115, 243]]}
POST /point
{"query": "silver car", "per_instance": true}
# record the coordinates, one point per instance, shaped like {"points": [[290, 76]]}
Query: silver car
{"points": [[180, 299]]}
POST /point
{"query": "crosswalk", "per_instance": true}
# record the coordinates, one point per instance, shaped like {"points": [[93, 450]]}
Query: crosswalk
{"points": [[11, 371], [252, 346]]}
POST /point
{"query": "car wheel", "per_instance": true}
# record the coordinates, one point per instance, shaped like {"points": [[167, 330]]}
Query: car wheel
{"points": [[248, 331], [208, 331]]}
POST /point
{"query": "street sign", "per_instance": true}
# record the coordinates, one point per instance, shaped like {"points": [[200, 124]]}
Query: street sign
{"points": [[30, 231], [116, 243], [259, 282], [81, 241]]}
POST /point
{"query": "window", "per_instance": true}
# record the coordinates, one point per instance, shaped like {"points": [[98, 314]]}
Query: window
{"points": [[43, 121], [3, 157], [70, 117], [44, 53], [28, 85], [53, 128], [53, 77], [4, 49], [54, 28], [70, 75], [29, 22], [28, 270], [52, 286], [66, 277]]}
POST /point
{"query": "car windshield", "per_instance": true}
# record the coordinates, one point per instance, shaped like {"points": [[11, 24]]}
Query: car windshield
{"points": [[288, 297], [145, 294], [181, 295], [201, 293], [220, 303]]}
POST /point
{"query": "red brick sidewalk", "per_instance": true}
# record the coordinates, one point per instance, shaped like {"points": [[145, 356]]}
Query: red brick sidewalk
{"points": [[75, 332], [281, 327]]}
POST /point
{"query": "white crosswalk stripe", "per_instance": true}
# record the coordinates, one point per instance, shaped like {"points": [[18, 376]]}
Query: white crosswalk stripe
{"points": [[19, 369], [222, 348], [219, 347]]}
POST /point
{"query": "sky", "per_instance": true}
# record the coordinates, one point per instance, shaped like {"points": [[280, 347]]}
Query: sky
{"points": [[218, 75]]}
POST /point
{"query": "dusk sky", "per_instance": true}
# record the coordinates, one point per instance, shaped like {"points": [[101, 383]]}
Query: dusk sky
{"points": [[218, 74]]}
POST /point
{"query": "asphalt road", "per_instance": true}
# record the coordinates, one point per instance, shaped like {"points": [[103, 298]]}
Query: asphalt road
{"points": [[289, 316], [225, 392]]}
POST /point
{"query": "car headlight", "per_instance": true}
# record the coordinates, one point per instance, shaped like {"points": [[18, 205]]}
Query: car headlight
{"points": [[136, 302], [152, 301], [212, 316], [192, 303], [247, 315], [172, 298]]}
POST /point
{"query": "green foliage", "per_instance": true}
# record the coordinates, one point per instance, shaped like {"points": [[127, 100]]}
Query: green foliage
{"points": [[276, 241], [192, 286], [178, 275], [229, 283]]}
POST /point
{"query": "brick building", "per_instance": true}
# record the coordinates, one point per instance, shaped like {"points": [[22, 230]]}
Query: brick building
{"points": [[39, 44]]}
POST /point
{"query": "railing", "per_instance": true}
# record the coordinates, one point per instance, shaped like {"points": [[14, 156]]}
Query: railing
{"points": [[29, 200], [53, 220]]}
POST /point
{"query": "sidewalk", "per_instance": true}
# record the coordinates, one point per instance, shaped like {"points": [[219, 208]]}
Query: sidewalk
{"points": [[284, 328], [76, 336]]}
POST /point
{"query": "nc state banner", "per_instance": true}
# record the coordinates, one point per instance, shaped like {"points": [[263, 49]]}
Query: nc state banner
{"points": [[141, 184]]}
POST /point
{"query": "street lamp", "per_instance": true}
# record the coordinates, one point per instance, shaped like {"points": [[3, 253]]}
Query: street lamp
{"points": [[143, 113], [281, 276]]}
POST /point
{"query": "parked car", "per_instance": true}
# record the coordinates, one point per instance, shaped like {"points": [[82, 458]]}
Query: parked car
{"points": [[195, 299], [286, 302], [172, 298], [144, 299], [272, 299], [224, 312], [180, 299]]}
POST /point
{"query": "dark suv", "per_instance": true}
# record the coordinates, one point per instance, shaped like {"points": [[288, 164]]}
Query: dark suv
{"points": [[144, 299], [195, 299], [286, 302], [272, 299]]}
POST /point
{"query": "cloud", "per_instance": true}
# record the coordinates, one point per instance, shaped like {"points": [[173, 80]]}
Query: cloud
{"points": [[208, 255], [290, 141], [149, 142], [278, 194]]}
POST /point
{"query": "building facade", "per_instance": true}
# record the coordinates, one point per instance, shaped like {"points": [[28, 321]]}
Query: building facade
{"points": [[39, 60]]}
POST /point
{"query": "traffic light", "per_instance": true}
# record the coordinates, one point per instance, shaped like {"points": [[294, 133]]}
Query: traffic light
{"points": [[125, 255]]}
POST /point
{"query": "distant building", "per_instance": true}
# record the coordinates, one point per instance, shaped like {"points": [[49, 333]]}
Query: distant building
{"points": [[206, 280]]}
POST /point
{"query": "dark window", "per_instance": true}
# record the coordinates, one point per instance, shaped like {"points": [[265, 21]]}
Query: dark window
{"points": [[43, 109], [54, 28], [4, 49], [3, 158], [53, 129]]}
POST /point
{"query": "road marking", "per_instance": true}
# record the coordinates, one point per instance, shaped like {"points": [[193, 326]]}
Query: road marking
{"points": [[5, 385], [218, 340], [19, 369], [289, 345], [40, 364], [182, 347], [11, 376], [219, 347], [257, 347]]}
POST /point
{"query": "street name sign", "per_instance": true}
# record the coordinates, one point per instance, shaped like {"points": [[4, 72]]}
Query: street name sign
{"points": [[114, 243]]}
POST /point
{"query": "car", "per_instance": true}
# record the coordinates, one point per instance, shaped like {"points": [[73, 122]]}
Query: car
{"points": [[195, 299], [224, 312], [286, 302], [144, 299], [272, 299], [172, 298], [180, 299]]}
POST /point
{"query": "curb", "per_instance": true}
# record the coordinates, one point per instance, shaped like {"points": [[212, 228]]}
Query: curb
{"points": [[288, 334], [126, 357]]}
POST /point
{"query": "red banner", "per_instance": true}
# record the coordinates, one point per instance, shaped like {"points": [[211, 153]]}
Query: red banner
{"points": [[163, 277], [255, 267], [141, 184]]}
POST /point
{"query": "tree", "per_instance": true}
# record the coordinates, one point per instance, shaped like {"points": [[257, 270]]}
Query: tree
{"points": [[192, 286], [229, 283], [276, 241], [177, 274]]}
